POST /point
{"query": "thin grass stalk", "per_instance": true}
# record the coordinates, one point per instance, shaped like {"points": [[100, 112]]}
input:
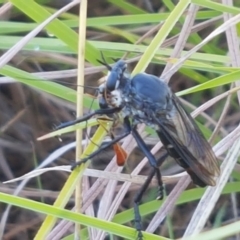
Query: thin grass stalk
{"points": [[79, 107]]}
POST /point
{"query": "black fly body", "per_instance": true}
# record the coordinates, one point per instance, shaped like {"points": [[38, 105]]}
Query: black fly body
{"points": [[144, 98]]}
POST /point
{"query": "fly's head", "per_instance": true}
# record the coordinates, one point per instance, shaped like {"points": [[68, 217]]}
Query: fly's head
{"points": [[111, 89], [116, 74]]}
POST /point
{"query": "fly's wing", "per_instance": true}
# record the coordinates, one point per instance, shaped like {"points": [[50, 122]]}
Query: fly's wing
{"points": [[183, 134]]}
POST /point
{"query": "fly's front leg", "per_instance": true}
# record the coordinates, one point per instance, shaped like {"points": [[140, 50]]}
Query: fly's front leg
{"points": [[127, 127], [88, 116]]}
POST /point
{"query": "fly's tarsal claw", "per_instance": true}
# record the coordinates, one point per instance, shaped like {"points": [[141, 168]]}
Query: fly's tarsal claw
{"points": [[160, 195]]}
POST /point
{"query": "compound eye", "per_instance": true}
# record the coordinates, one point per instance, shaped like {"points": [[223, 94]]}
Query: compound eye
{"points": [[112, 82]]}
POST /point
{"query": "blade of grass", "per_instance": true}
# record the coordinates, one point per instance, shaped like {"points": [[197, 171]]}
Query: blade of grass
{"points": [[7, 56], [57, 212], [80, 92], [161, 36], [216, 82], [217, 6], [57, 27]]}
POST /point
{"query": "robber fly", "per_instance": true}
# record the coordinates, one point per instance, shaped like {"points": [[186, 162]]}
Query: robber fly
{"points": [[146, 99]]}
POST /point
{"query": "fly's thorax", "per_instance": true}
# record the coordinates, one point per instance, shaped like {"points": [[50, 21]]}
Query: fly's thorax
{"points": [[151, 89], [142, 109]]}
